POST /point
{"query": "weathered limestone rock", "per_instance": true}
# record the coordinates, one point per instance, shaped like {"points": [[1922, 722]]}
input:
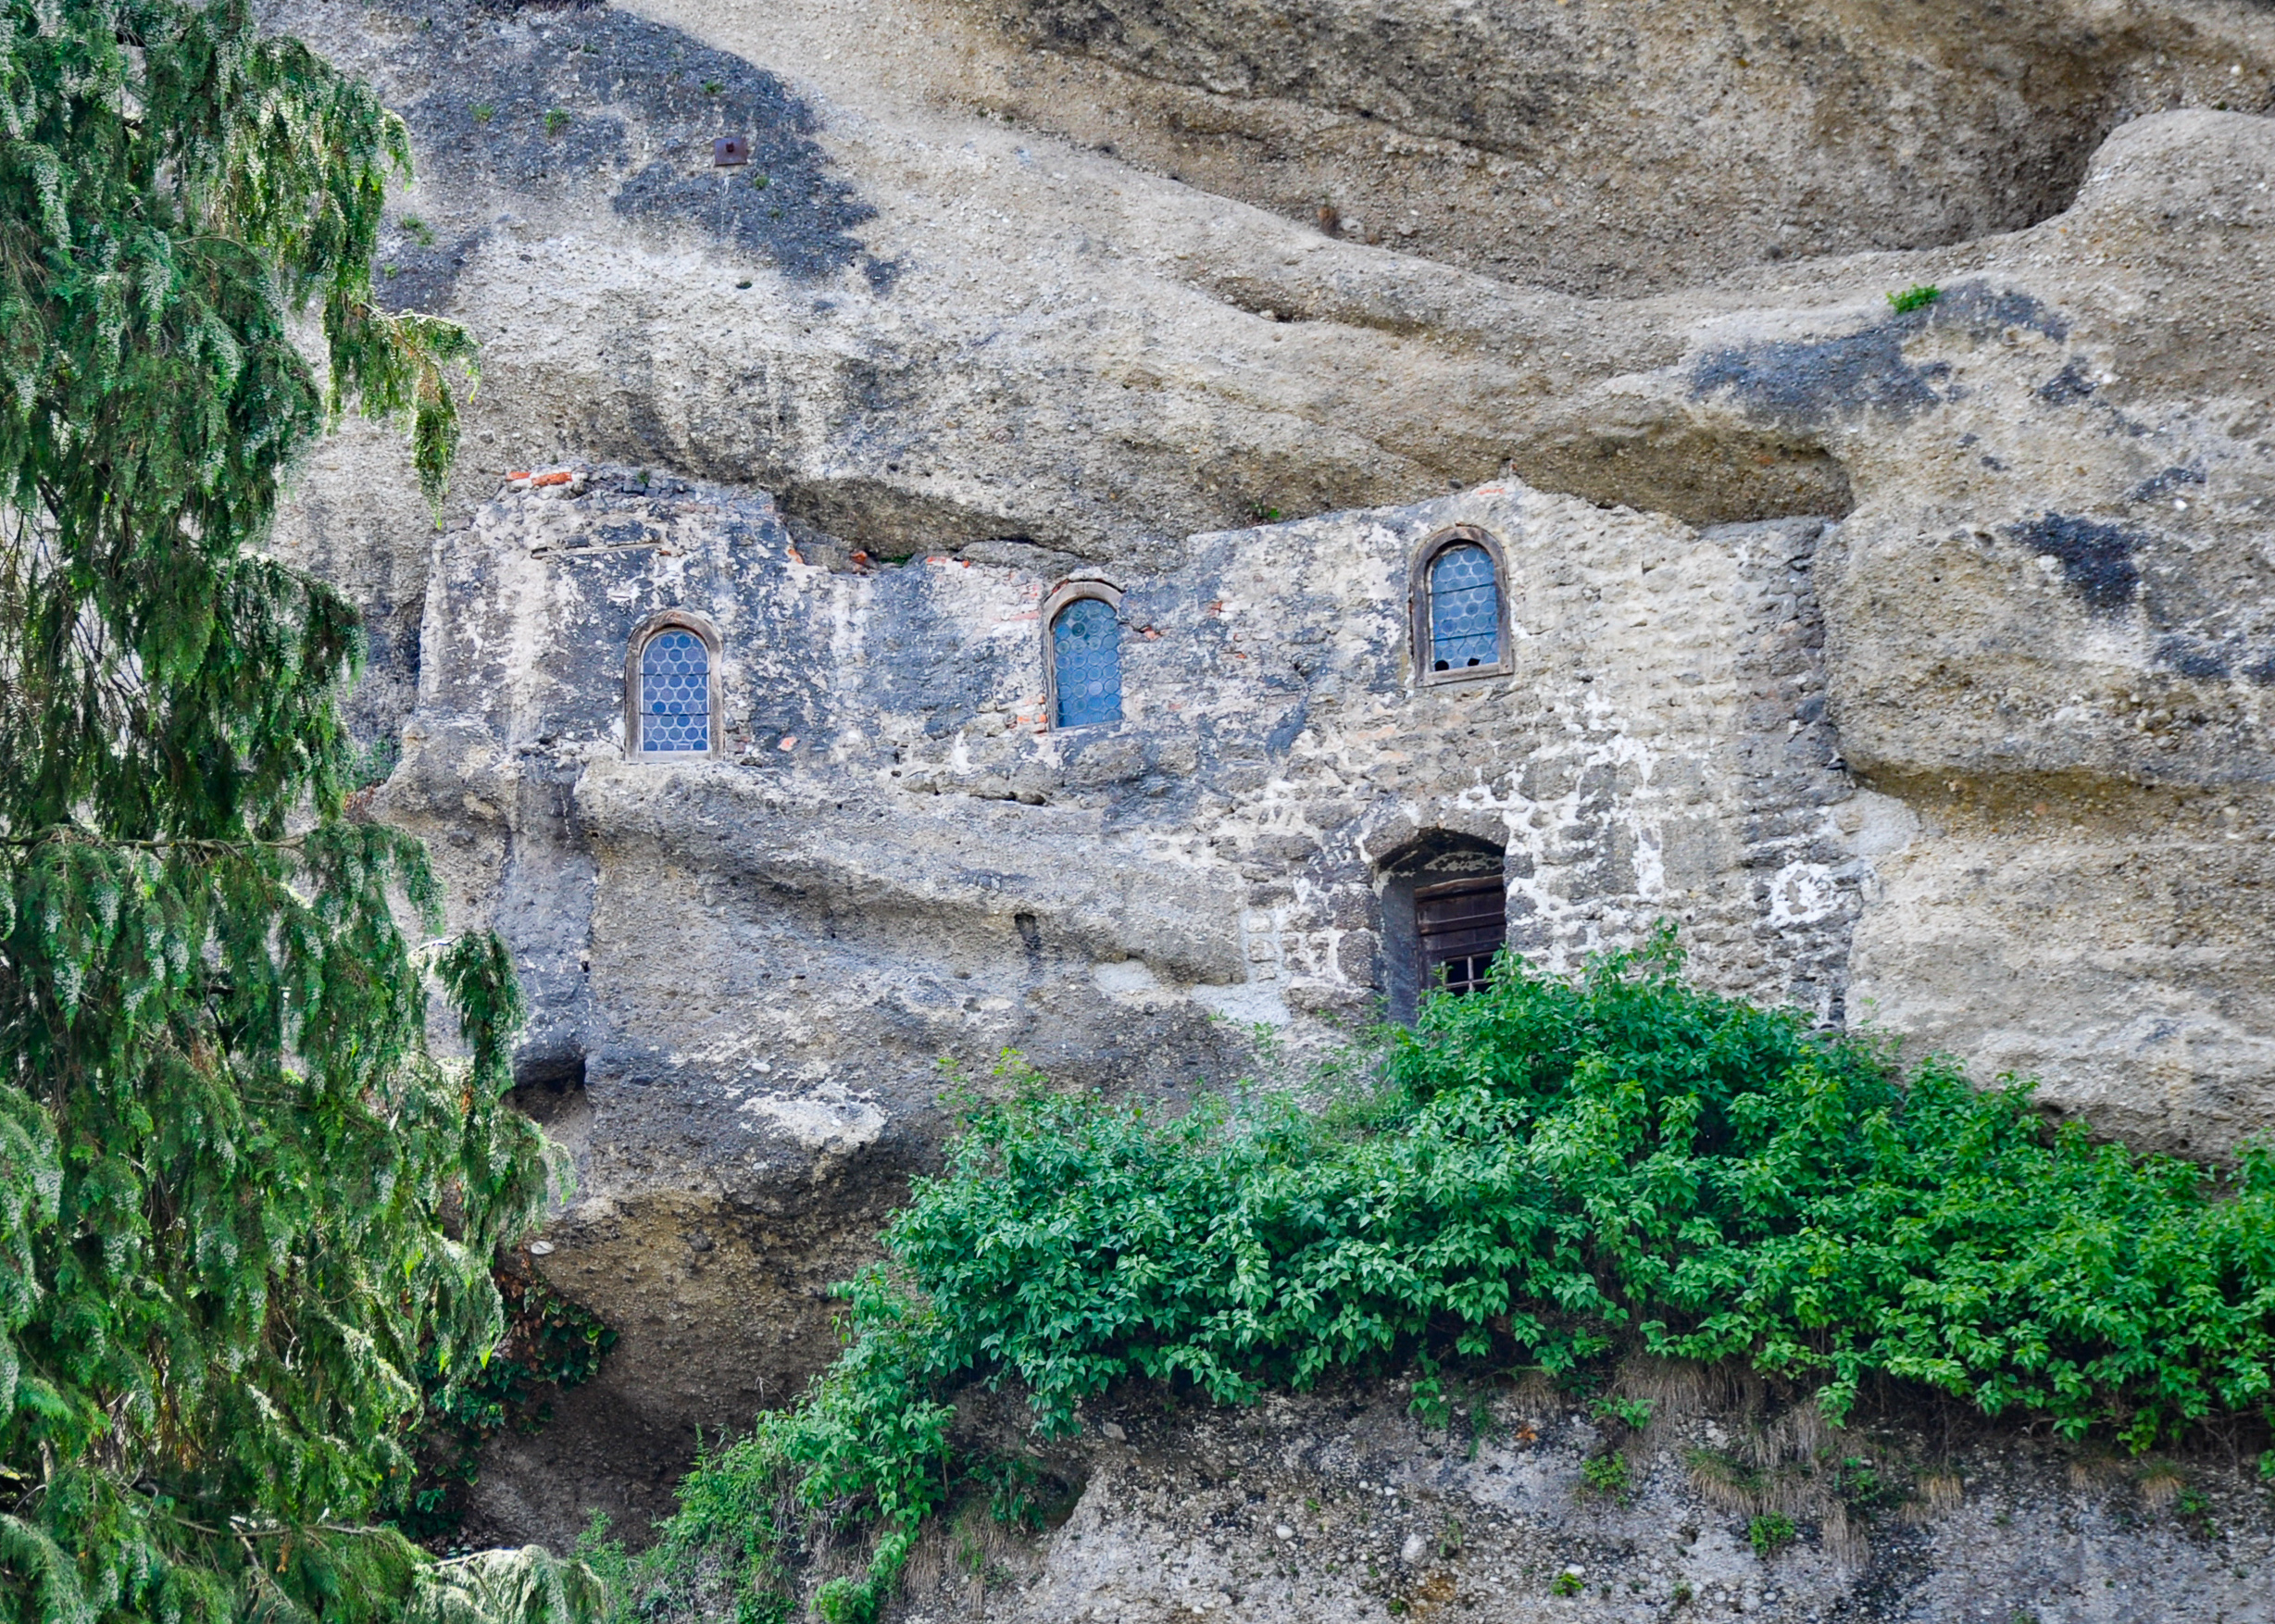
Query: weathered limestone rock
{"points": [[1616, 150], [1340, 1506], [1915, 662]]}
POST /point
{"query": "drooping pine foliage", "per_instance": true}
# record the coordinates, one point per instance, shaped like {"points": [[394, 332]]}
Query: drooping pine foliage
{"points": [[238, 1199], [1543, 1172]]}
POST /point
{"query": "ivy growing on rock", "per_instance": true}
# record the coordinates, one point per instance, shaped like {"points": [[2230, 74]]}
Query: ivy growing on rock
{"points": [[1541, 1172], [239, 1200]]}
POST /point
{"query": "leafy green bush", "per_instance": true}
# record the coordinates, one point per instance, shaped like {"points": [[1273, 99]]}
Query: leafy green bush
{"points": [[1769, 1533], [1917, 298], [1634, 1414], [868, 1443], [1541, 1170], [1606, 1475]]}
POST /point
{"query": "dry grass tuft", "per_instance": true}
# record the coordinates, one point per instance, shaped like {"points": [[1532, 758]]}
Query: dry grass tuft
{"points": [[966, 1555], [1844, 1542], [2160, 1483], [1723, 1484]]}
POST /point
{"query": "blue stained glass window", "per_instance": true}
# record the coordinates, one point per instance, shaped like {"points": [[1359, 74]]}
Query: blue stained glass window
{"points": [[1086, 663], [675, 693], [1464, 610]]}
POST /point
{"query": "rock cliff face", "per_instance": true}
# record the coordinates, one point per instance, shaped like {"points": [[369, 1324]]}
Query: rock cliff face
{"points": [[1916, 662]]}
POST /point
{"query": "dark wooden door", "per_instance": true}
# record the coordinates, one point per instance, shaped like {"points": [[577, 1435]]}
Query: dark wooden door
{"points": [[1461, 924]]}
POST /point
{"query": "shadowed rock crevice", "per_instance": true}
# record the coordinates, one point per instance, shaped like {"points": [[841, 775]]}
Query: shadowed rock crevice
{"points": [[1704, 473]]}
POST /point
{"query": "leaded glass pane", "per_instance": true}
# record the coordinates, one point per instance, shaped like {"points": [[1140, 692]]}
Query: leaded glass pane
{"points": [[1464, 610], [675, 692], [1086, 663]]}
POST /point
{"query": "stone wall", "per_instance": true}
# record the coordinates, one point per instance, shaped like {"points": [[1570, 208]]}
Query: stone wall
{"points": [[744, 970]]}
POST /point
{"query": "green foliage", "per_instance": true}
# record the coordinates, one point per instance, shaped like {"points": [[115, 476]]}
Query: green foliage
{"points": [[1543, 1170], [1863, 1489], [1917, 298], [2193, 1508], [1567, 1584], [610, 1566], [1606, 1475], [867, 1444], [176, 185], [551, 1344], [1769, 1533], [526, 1586], [237, 1197], [1012, 1486], [373, 762], [1634, 1414], [556, 121]]}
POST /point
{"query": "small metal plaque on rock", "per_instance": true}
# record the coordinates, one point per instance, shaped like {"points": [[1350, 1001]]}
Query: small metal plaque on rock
{"points": [[730, 149]]}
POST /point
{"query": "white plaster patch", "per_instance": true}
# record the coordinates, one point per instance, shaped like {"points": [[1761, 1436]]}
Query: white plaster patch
{"points": [[1802, 894], [829, 1119], [1249, 1001]]}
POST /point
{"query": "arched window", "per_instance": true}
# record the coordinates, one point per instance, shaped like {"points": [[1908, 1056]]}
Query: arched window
{"points": [[1459, 627], [1085, 659], [674, 689], [1464, 610]]}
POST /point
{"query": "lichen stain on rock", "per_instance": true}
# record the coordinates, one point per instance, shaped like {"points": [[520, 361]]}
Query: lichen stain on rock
{"points": [[539, 100], [2095, 558]]}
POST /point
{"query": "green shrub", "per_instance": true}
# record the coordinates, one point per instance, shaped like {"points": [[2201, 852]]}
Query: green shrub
{"points": [[1567, 1584], [1917, 298], [551, 1344], [1547, 1169], [1606, 1475], [1769, 1533], [1634, 1414]]}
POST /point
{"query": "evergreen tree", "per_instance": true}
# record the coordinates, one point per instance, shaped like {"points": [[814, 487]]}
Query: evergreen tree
{"points": [[238, 1198]]}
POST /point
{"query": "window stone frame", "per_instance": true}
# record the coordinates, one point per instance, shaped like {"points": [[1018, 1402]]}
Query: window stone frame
{"points": [[1066, 593], [1418, 605], [635, 687]]}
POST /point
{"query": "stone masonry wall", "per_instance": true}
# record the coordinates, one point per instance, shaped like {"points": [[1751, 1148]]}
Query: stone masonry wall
{"points": [[746, 970]]}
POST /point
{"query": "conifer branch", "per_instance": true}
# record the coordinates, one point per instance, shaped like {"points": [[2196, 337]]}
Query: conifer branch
{"points": [[241, 1206]]}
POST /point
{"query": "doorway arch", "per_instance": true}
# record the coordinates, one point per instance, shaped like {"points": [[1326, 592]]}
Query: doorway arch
{"points": [[1445, 900]]}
